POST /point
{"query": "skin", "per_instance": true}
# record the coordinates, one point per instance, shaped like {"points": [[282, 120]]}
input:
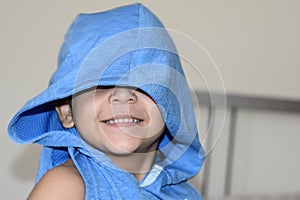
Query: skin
{"points": [[62, 182], [122, 122]]}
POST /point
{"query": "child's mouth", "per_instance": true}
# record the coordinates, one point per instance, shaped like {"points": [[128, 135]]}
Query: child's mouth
{"points": [[122, 120]]}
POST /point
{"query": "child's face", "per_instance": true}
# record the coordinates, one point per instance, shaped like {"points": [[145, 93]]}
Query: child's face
{"points": [[118, 120]]}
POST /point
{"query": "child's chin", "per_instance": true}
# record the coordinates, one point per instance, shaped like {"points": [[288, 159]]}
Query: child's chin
{"points": [[123, 151]]}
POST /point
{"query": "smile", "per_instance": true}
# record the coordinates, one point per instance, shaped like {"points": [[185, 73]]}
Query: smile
{"points": [[123, 120]]}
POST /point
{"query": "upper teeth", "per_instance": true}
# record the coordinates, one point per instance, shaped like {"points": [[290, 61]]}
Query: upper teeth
{"points": [[124, 120]]}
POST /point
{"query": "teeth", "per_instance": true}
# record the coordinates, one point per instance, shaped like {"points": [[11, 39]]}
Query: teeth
{"points": [[124, 120]]}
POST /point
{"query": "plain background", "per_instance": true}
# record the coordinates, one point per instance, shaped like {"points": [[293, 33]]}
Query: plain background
{"points": [[255, 44]]}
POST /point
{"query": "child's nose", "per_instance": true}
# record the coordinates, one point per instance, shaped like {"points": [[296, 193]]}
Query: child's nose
{"points": [[123, 95]]}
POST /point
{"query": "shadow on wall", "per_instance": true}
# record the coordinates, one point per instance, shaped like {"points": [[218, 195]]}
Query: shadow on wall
{"points": [[25, 166]]}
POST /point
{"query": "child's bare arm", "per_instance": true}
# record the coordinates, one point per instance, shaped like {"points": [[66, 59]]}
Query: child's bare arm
{"points": [[63, 182]]}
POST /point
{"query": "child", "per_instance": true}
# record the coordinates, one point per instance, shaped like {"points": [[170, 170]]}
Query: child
{"points": [[116, 121]]}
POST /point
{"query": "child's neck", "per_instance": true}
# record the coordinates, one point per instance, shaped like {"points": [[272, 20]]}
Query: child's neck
{"points": [[138, 164]]}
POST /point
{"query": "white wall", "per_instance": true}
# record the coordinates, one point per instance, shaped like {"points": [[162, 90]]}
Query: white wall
{"points": [[265, 161], [254, 43]]}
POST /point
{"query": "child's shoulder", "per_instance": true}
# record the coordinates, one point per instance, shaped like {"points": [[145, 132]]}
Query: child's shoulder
{"points": [[62, 182]]}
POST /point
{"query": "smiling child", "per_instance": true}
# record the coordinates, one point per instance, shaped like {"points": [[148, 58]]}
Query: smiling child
{"points": [[116, 121]]}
